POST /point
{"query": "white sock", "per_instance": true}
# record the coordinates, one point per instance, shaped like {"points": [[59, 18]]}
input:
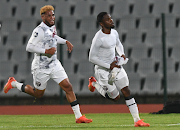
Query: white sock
{"points": [[17, 85], [99, 88], [76, 111], [133, 109]]}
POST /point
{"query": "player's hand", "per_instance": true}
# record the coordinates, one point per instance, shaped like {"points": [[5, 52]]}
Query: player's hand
{"points": [[114, 64], [124, 57], [50, 51], [69, 46]]}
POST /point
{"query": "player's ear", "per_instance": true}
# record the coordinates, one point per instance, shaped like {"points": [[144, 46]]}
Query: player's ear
{"points": [[101, 24], [42, 16]]}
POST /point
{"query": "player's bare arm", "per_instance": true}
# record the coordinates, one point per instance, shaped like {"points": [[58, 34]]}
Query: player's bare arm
{"points": [[114, 64], [69, 46], [50, 51], [123, 56]]}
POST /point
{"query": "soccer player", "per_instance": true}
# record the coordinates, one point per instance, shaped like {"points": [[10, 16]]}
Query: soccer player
{"points": [[102, 54], [45, 65]]}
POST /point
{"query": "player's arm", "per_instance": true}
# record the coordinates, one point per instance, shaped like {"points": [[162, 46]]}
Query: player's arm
{"points": [[119, 47], [64, 41], [93, 54]]}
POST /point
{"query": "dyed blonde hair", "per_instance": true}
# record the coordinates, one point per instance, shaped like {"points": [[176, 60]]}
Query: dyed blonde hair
{"points": [[46, 8]]}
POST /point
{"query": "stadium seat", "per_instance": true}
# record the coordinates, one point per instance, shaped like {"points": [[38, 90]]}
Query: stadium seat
{"points": [[173, 83], [170, 65], [141, 7], [147, 22], [130, 66], [4, 53], [121, 8], [176, 8], [88, 23], [82, 8], [134, 83], [74, 37], [28, 24], [75, 80], [63, 8], [157, 52], [16, 39], [19, 54], [139, 51], [175, 51], [152, 84], [153, 36], [85, 67], [160, 6], [172, 36], [170, 21], [68, 24], [8, 25], [23, 10], [69, 66], [79, 52], [146, 66], [133, 37], [101, 6], [6, 69], [5, 9], [24, 68], [127, 22], [52, 89]]}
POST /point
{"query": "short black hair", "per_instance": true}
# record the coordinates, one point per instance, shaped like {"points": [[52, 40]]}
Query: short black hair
{"points": [[100, 16]]}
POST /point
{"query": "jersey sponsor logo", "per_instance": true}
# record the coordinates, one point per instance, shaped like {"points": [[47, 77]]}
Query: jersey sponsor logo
{"points": [[35, 34], [38, 83]]}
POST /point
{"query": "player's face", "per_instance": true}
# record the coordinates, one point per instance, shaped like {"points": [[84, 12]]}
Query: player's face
{"points": [[49, 18], [108, 21]]}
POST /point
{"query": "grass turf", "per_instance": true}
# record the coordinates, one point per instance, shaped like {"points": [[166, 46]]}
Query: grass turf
{"points": [[109, 121]]}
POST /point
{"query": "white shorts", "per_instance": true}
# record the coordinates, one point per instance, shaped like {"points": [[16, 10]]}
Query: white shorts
{"points": [[120, 82], [41, 76]]}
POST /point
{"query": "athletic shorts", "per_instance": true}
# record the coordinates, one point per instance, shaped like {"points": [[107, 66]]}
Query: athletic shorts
{"points": [[41, 76], [113, 89]]}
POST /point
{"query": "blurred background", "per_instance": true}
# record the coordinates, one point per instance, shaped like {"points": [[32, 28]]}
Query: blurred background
{"points": [[144, 31]]}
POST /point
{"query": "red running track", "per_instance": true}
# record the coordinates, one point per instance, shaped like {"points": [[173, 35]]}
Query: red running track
{"points": [[66, 109]]}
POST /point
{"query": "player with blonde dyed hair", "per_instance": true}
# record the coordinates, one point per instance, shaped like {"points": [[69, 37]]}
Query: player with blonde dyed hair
{"points": [[45, 65], [46, 8]]}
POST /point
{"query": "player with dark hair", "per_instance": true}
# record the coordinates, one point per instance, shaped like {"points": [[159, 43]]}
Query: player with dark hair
{"points": [[102, 54], [45, 65]]}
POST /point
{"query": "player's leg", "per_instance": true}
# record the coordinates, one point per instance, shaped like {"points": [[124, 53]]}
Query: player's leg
{"points": [[107, 90], [122, 83], [67, 87], [23, 88], [60, 77], [40, 81]]}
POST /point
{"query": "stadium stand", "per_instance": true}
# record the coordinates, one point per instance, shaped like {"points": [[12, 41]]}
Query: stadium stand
{"points": [[121, 8], [152, 85], [137, 21], [173, 83], [135, 83]]}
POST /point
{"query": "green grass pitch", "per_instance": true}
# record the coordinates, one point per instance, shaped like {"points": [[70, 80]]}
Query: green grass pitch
{"points": [[108, 121]]}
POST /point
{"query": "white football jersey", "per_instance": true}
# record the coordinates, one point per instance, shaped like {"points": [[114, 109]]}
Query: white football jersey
{"points": [[42, 38], [102, 51]]}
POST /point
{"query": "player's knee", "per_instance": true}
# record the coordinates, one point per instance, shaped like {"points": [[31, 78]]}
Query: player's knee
{"points": [[114, 99], [117, 98], [38, 94], [68, 88], [126, 92]]}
